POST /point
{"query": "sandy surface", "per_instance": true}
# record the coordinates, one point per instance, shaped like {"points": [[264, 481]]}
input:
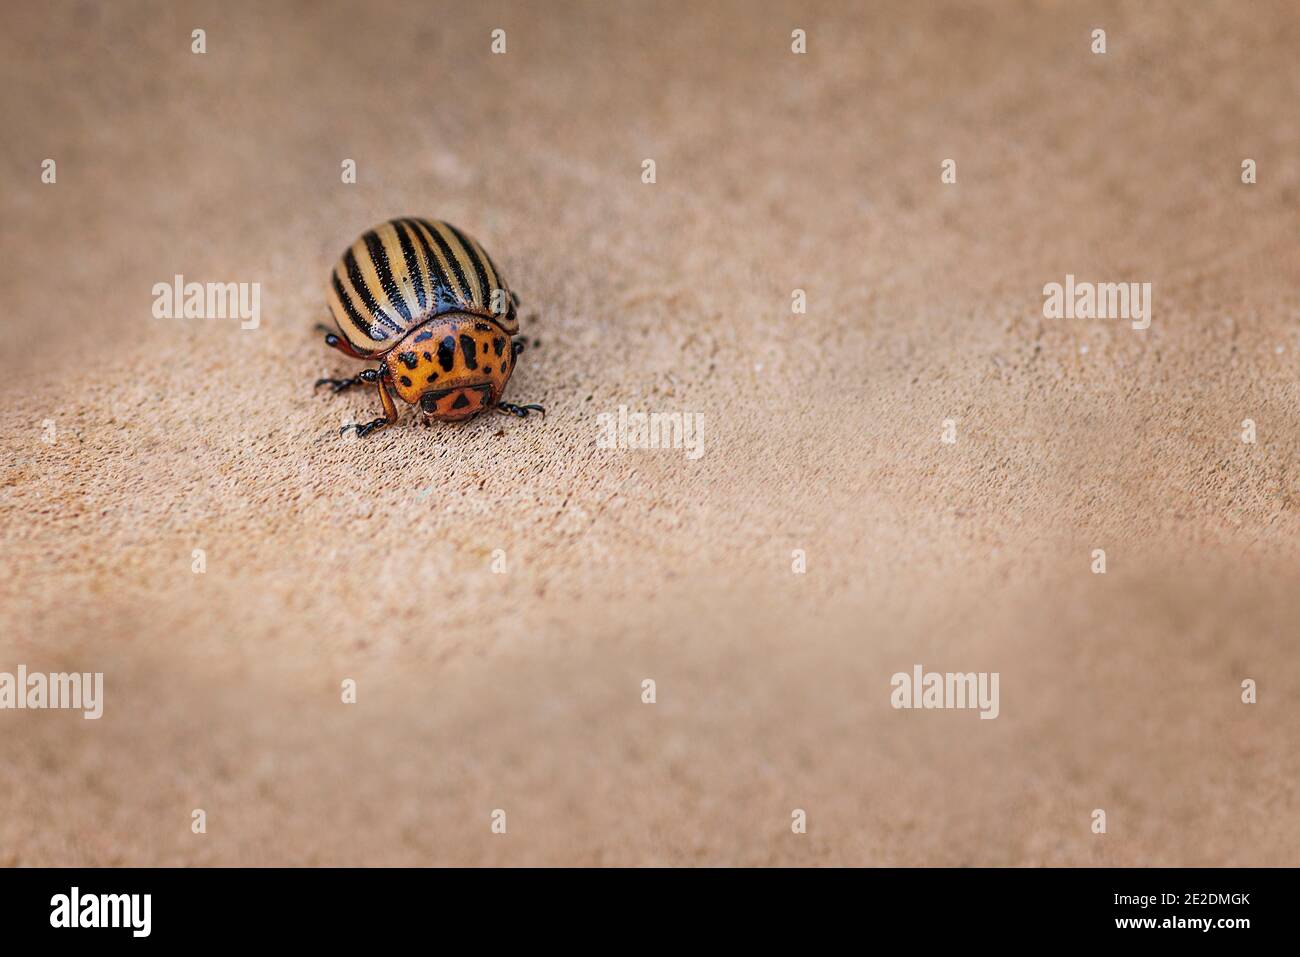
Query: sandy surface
{"points": [[329, 559]]}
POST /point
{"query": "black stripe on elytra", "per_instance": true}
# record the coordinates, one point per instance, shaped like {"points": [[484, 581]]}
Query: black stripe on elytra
{"points": [[359, 283], [379, 257], [452, 261], [447, 353], [442, 291], [412, 260], [484, 286], [467, 349], [351, 310]]}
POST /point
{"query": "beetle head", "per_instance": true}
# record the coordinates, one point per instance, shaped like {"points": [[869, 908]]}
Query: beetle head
{"points": [[456, 402]]}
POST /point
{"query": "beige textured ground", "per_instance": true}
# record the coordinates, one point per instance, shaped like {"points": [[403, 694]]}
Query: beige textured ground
{"points": [[329, 559]]}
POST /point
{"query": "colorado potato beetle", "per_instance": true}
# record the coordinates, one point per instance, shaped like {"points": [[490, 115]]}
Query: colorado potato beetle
{"points": [[428, 302]]}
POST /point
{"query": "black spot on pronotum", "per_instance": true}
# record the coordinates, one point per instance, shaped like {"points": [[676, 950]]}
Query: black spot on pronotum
{"points": [[427, 357], [408, 359], [468, 350], [462, 400], [432, 376], [447, 353], [498, 344], [406, 381], [482, 327], [424, 336], [487, 369]]}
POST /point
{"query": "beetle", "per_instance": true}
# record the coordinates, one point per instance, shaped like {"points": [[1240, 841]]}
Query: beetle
{"points": [[428, 302]]}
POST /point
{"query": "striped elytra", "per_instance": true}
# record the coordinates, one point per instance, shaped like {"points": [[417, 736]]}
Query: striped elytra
{"points": [[406, 271], [427, 302]]}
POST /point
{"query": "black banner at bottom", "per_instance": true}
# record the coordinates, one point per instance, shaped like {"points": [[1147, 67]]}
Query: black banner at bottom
{"points": [[368, 906]]}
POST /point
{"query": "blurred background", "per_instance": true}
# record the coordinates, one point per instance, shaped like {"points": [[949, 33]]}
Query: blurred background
{"points": [[132, 442]]}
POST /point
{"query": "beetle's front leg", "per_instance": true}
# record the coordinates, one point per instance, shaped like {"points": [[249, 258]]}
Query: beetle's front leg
{"points": [[338, 385], [522, 411], [390, 410]]}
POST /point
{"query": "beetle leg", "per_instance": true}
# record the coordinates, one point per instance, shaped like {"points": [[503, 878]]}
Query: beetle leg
{"points": [[338, 385], [509, 408], [390, 410], [519, 343], [335, 341]]}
